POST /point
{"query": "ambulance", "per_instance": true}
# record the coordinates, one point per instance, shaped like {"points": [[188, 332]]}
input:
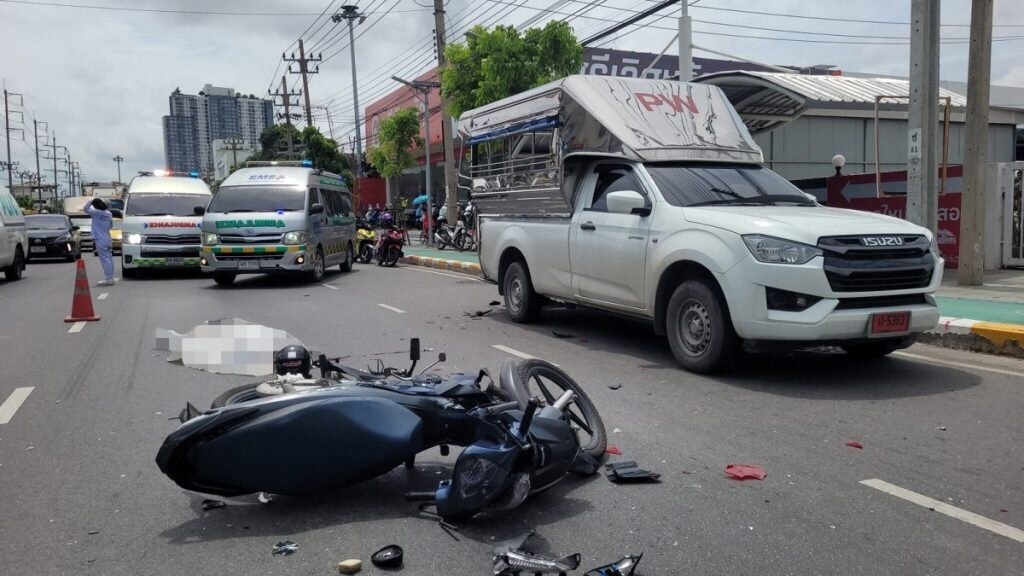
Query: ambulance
{"points": [[163, 216]]}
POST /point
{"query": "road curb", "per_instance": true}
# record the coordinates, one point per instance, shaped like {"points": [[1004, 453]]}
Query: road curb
{"points": [[977, 336], [442, 264]]}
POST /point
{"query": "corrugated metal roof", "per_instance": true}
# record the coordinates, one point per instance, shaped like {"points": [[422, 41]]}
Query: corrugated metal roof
{"points": [[830, 89]]}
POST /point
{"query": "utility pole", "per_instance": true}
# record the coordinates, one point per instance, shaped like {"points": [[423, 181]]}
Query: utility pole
{"points": [[351, 13], [451, 178], [423, 88], [7, 134], [303, 62], [330, 122], [971, 269], [685, 44], [39, 174], [235, 145], [922, 145], [286, 98], [118, 159]]}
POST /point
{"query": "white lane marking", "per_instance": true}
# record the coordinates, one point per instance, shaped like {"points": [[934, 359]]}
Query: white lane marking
{"points": [[13, 402], [459, 276], [512, 351], [103, 296], [959, 364], [329, 286], [392, 308], [951, 511], [76, 327]]}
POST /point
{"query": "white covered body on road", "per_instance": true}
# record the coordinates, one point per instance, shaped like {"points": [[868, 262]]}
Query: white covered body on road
{"points": [[647, 198]]}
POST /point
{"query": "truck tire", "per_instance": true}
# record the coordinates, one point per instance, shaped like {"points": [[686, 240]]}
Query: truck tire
{"points": [[346, 265], [13, 272], [699, 329], [522, 303], [319, 267], [224, 278], [129, 272]]}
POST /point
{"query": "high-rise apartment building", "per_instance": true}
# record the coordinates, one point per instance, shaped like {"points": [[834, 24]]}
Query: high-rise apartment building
{"points": [[215, 113]]}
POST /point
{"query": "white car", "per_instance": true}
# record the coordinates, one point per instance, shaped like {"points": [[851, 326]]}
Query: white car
{"points": [[13, 237]]}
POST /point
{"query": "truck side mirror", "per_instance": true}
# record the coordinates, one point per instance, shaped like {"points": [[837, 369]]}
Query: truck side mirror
{"points": [[316, 209], [199, 210], [627, 202]]}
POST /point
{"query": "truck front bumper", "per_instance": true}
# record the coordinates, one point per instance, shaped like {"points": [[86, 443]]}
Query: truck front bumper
{"points": [[258, 259]]}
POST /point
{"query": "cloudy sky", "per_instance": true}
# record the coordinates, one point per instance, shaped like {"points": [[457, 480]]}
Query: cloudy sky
{"points": [[100, 78]]}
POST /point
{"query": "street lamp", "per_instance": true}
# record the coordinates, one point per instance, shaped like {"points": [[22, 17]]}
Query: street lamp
{"points": [[351, 13], [423, 88], [118, 159], [838, 161]]}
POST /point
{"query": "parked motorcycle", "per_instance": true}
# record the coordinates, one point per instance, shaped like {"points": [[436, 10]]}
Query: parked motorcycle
{"points": [[444, 235], [463, 238], [301, 435], [389, 247], [366, 239]]}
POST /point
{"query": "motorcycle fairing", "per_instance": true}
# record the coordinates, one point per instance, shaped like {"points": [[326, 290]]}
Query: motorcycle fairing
{"points": [[309, 445]]}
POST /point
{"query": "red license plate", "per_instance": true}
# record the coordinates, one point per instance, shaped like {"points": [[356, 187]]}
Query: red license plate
{"points": [[889, 323]]}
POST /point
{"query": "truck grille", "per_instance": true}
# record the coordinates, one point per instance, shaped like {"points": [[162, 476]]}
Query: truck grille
{"points": [[850, 266], [165, 240], [258, 239]]}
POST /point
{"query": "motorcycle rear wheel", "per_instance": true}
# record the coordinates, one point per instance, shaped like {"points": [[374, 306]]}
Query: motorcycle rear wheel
{"points": [[365, 252], [237, 395], [394, 253], [548, 382]]}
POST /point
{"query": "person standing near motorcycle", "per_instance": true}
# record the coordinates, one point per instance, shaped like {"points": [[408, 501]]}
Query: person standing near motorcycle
{"points": [[102, 222]]}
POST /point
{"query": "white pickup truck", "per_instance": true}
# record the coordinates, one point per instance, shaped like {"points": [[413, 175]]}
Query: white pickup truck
{"points": [[648, 199]]}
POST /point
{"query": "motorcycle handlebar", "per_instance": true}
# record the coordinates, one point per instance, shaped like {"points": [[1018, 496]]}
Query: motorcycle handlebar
{"points": [[499, 408]]}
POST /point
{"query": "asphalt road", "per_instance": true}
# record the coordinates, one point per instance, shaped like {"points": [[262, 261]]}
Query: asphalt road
{"points": [[80, 492]]}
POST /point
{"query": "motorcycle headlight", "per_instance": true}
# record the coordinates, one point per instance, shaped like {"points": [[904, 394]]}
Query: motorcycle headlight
{"points": [[210, 239], [135, 239], [296, 237], [778, 251]]}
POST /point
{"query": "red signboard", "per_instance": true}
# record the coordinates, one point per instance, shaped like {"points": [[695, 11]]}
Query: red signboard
{"points": [[896, 205]]}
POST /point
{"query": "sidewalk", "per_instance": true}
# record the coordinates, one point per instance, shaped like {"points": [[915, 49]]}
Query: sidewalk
{"points": [[988, 318]]}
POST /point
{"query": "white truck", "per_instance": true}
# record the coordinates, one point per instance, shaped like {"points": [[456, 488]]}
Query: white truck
{"points": [[648, 199]]}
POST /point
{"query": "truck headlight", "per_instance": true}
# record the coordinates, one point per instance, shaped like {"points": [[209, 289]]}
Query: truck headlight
{"points": [[296, 237], [135, 239], [210, 239], [778, 251]]}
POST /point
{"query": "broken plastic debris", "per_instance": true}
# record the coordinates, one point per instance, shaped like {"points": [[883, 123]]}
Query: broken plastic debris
{"points": [[389, 556], [477, 314], [624, 567], [613, 450], [285, 548], [93, 532], [226, 346], [210, 504], [511, 559], [616, 430], [855, 444], [745, 471], [265, 497], [943, 428], [350, 566], [615, 386], [494, 303], [629, 472], [561, 334]]}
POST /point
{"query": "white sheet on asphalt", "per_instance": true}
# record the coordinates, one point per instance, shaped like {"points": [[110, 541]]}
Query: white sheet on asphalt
{"points": [[226, 346]]}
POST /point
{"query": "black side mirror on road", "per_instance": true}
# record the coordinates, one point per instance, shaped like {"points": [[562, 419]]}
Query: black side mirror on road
{"points": [[316, 209]]}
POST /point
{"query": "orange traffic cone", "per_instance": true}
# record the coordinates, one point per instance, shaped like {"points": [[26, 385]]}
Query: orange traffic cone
{"points": [[81, 302]]}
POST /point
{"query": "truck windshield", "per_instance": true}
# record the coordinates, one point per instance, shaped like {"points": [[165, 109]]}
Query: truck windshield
{"points": [[717, 184], [165, 204], [258, 199]]}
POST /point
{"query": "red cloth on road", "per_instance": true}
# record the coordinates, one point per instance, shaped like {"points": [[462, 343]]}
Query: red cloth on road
{"points": [[745, 471]]}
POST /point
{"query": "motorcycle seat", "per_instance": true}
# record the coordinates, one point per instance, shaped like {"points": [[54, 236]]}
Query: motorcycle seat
{"points": [[510, 383]]}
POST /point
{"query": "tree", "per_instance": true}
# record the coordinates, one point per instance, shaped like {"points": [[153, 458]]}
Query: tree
{"points": [[286, 142], [494, 64], [396, 135]]}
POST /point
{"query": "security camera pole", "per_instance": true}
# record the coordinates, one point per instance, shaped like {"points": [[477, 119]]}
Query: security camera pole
{"points": [[423, 88]]}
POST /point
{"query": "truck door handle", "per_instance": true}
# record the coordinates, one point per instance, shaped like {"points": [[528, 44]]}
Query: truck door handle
{"points": [[588, 226]]}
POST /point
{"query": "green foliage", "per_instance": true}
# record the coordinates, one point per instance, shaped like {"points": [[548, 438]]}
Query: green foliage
{"points": [[495, 64], [26, 202], [309, 144], [396, 135]]}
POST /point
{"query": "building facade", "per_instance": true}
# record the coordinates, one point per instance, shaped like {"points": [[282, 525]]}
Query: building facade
{"points": [[197, 120]]}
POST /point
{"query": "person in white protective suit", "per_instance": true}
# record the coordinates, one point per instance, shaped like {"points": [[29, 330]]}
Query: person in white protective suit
{"points": [[102, 222]]}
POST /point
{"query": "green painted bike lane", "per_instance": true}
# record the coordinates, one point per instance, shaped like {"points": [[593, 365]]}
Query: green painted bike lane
{"points": [[984, 310], [450, 254]]}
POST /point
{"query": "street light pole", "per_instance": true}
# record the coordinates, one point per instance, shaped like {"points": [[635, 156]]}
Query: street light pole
{"points": [[350, 13], [423, 88], [118, 159]]}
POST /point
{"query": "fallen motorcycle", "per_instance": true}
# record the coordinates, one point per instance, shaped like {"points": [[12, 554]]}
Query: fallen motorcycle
{"points": [[302, 435]]}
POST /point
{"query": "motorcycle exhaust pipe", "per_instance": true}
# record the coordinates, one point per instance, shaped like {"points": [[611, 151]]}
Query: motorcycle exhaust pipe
{"points": [[564, 400]]}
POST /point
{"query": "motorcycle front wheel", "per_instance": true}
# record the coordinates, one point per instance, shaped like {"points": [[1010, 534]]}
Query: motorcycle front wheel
{"points": [[394, 253], [237, 395], [366, 252], [547, 382]]}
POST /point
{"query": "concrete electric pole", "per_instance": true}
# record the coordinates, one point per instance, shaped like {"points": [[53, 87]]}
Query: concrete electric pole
{"points": [[451, 177], [304, 70], [118, 159], [423, 88], [351, 13], [923, 133], [685, 44], [971, 269], [39, 173]]}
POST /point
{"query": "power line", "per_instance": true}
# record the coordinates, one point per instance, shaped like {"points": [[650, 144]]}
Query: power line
{"points": [[156, 10], [835, 19]]}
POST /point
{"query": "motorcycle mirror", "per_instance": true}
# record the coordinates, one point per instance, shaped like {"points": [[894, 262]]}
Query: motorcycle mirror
{"points": [[442, 357], [414, 349]]}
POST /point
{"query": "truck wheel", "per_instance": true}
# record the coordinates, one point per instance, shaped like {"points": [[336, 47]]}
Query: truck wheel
{"points": [[522, 303], [346, 266], [317, 273], [13, 272], [224, 278], [699, 329], [129, 272]]}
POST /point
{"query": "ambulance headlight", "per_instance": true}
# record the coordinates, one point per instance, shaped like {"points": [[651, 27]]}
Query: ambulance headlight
{"points": [[135, 239], [295, 237], [210, 239]]}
